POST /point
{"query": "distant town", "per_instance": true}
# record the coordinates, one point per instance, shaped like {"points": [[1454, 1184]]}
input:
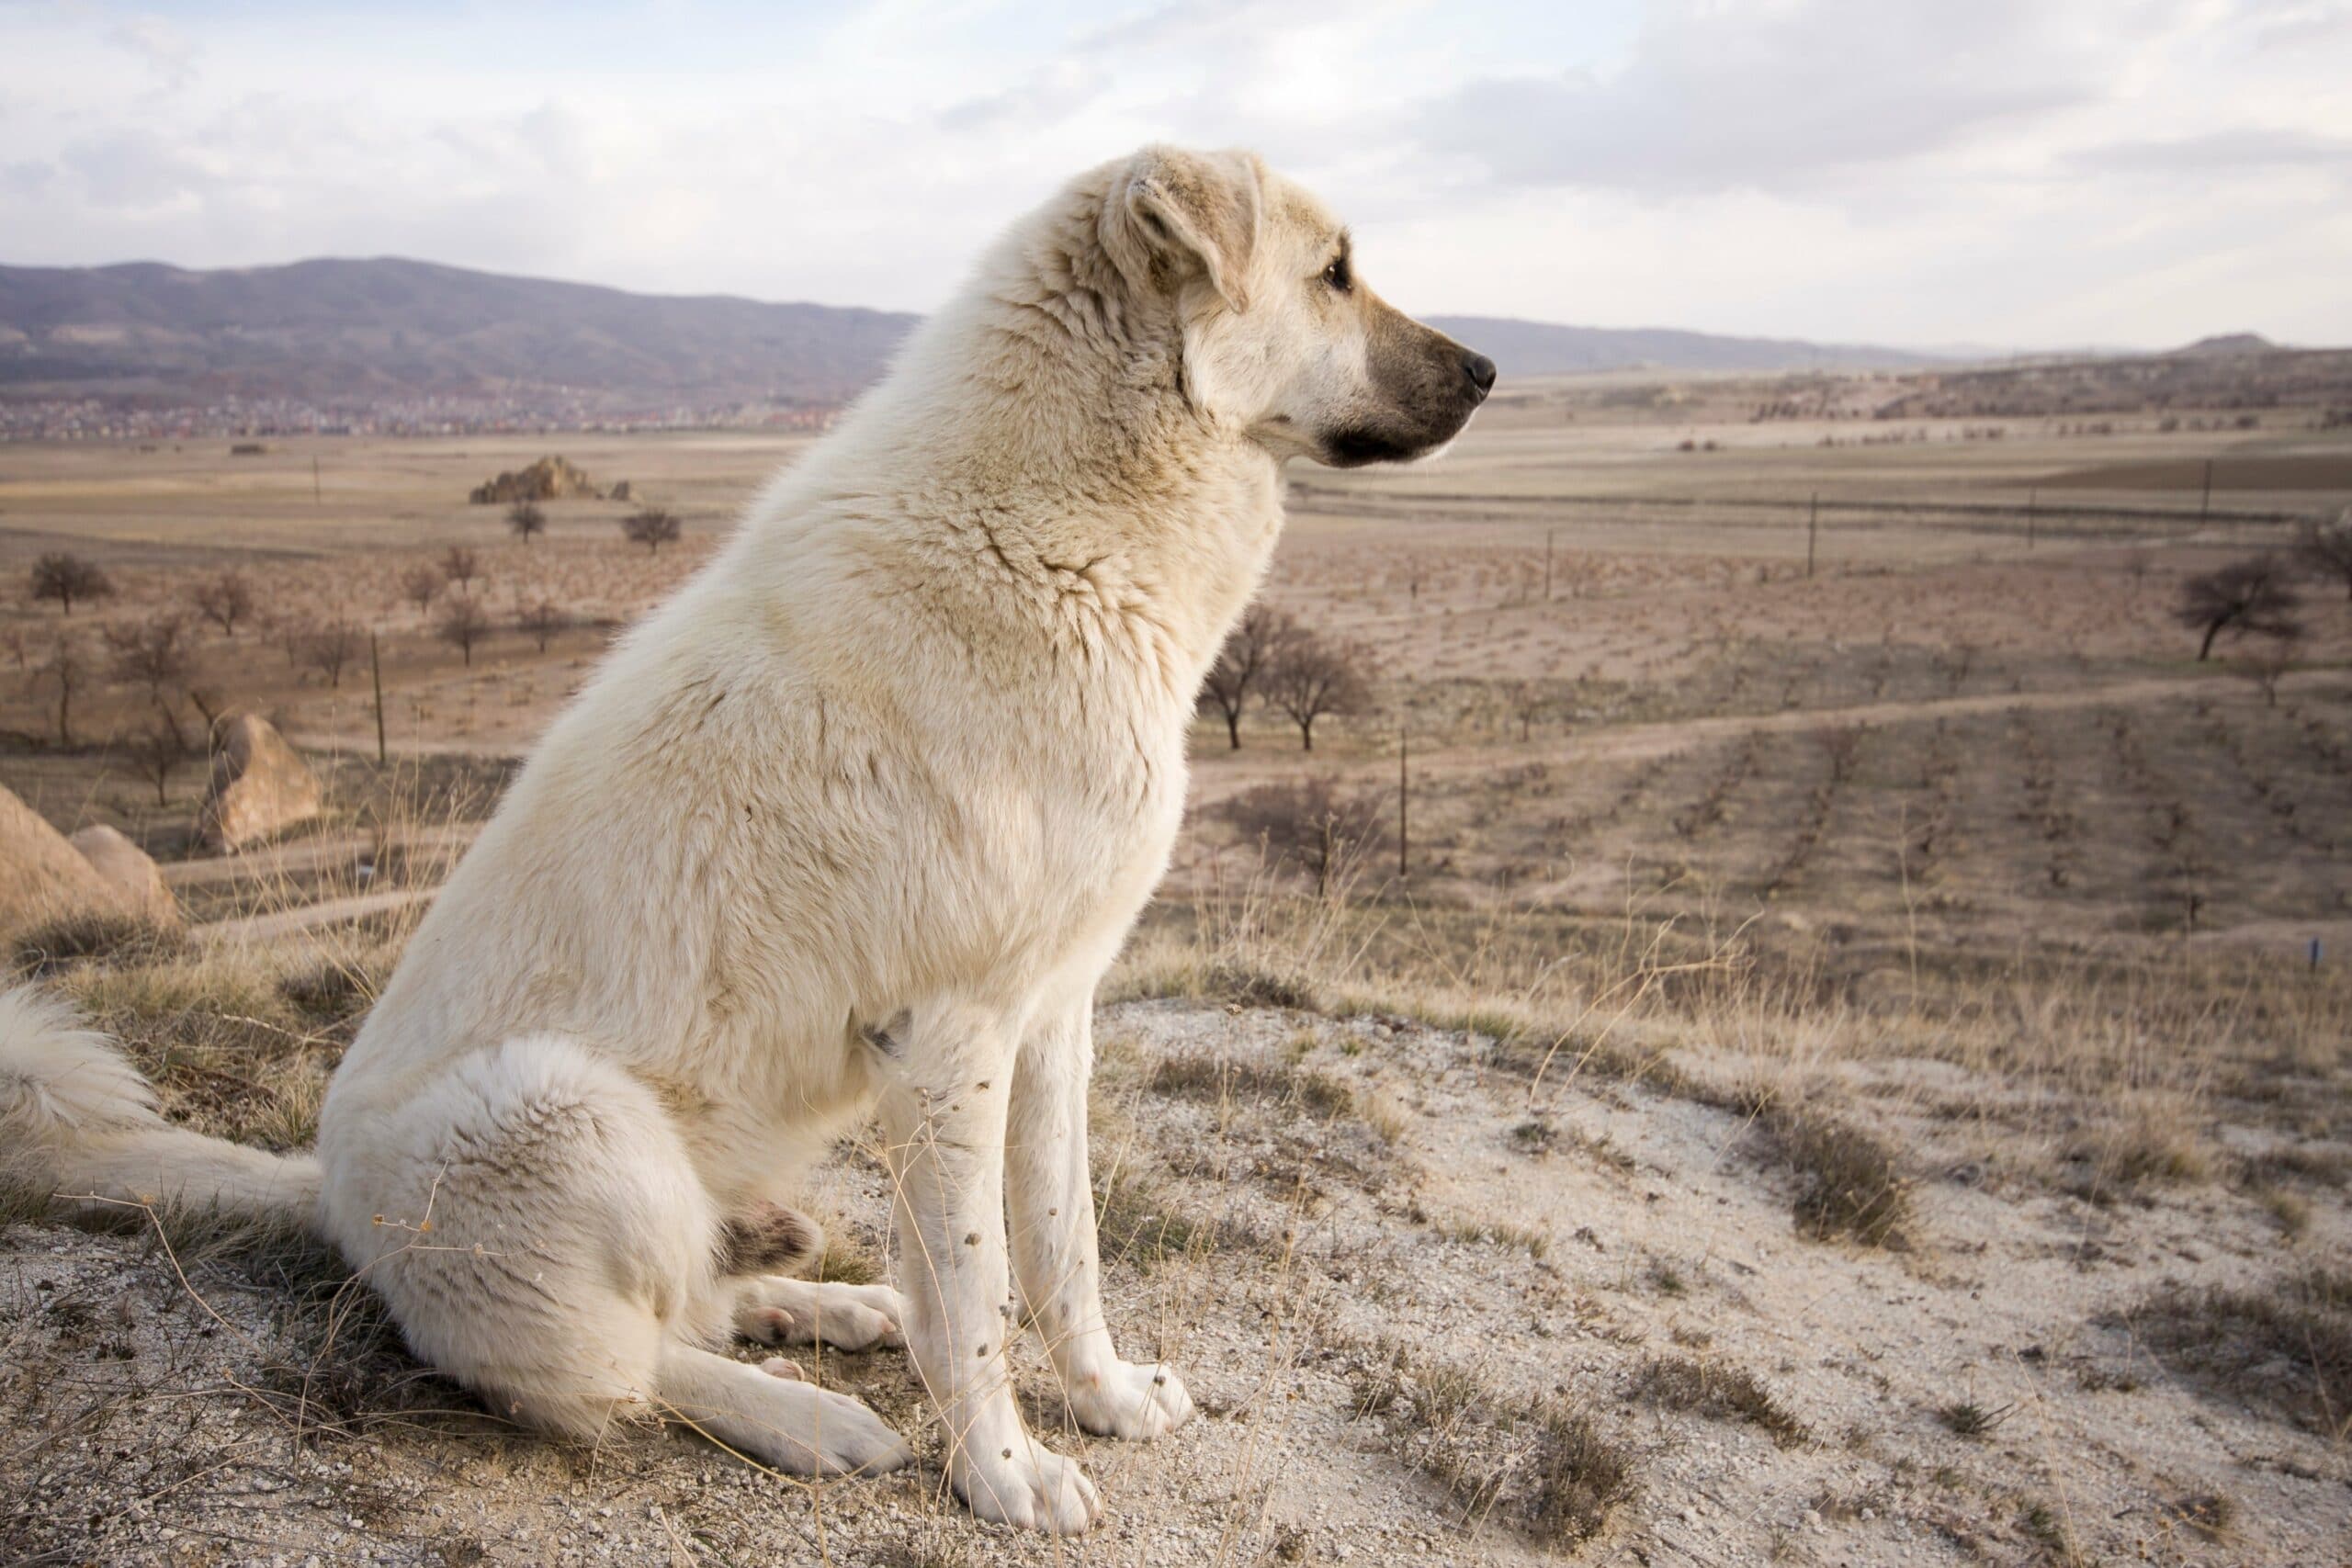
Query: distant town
{"points": [[96, 419]]}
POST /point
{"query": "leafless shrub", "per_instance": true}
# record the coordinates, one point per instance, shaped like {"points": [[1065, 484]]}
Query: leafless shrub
{"points": [[2250, 597], [526, 521], [330, 649], [461, 565], [463, 624], [67, 671], [652, 527], [420, 585], [65, 577], [1310, 679], [542, 621], [1312, 823], [1249, 652], [224, 601], [151, 654], [157, 753]]}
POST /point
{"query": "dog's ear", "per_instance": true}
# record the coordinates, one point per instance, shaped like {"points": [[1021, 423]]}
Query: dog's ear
{"points": [[1174, 214]]}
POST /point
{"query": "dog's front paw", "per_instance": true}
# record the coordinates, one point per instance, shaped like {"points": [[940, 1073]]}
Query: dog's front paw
{"points": [[1133, 1400], [1028, 1485]]}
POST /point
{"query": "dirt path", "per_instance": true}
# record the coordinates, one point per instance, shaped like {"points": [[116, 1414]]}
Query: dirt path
{"points": [[311, 854], [309, 917], [1220, 774]]}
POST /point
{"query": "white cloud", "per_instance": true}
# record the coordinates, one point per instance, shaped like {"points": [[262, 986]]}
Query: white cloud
{"points": [[1909, 170]]}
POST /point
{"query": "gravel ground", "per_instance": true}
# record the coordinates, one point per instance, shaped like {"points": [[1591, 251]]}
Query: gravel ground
{"points": [[1299, 1203]]}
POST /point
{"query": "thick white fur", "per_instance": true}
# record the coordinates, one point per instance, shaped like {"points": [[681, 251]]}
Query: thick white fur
{"points": [[852, 823]]}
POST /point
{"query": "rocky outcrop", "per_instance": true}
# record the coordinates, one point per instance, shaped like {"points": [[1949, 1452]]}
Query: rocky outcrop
{"points": [[549, 479], [134, 879], [260, 787], [42, 879]]}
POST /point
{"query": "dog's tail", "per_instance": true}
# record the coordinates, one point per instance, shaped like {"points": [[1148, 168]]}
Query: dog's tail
{"points": [[79, 1124]]}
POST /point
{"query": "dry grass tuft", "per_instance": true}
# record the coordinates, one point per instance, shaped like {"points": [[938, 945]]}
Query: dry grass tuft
{"points": [[2285, 1346], [1720, 1392], [1532, 1461], [47, 949]]}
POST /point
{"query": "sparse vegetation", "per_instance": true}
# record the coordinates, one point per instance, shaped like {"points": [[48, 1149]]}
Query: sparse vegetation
{"points": [[652, 527], [1719, 1391], [65, 577]]}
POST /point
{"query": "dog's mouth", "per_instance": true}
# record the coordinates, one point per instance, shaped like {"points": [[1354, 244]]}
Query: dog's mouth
{"points": [[1428, 388]]}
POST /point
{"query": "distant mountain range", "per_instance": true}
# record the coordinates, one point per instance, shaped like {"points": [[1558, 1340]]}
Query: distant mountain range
{"points": [[320, 336], [1540, 348], [356, 333]]}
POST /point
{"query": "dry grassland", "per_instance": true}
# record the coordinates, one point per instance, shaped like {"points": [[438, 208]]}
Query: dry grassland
{"points": [[1840, 1076]]}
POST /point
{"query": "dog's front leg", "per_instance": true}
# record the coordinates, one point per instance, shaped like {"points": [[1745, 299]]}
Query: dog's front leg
{"points": [[944, 1122], [1053, 1245]]}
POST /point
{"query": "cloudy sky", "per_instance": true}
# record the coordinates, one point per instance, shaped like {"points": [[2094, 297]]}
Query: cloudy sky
{"points": [[2008, 173]]}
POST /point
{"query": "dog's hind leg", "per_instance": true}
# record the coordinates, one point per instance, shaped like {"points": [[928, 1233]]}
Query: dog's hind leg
{"points": [[775, 1417], [538, 1228]]}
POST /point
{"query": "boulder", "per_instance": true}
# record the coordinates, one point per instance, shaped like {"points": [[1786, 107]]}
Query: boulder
{"points": [[41, 879], [134, 879], [549, 479], [260, 787]]}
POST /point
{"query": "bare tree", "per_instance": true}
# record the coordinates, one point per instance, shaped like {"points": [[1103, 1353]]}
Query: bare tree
{"points": [[330, 649], [65, 577], [420, 585], [461, 565], [463, 624], [526, 521], [157, 753], [542, 621], [1241, 664], [1310, 679], [652, 527], [224, 601], [1313, 824], [1529, 702], [2272, 662], [2326, 549], [152, 654], [68, 670], [2245, 597]]}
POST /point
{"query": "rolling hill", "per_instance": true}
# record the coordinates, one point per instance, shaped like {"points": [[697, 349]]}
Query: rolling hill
{"points": [[352, 332]]}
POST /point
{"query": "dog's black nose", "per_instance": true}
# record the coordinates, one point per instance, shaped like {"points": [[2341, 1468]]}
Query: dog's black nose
{"points": [[1481, 371]]}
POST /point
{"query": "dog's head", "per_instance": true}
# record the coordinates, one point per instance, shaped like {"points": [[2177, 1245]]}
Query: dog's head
{"points": [[1281, 338]]}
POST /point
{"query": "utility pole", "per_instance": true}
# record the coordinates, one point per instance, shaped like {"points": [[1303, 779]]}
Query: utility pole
{"points": [[2205, 507], [1404, 743], [314, 478], [2032, 497], [1811, 531], [1547, 563], [376, 667]]}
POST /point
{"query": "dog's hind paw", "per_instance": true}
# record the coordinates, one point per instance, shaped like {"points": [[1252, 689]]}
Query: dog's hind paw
{"points": [[808, 1312]]}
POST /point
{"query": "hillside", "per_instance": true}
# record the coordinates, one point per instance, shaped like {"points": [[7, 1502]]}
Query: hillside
{"points": [[352, 333]]}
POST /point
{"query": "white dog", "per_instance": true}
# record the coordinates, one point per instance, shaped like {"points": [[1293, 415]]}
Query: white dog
{"points": [[854, 823]]}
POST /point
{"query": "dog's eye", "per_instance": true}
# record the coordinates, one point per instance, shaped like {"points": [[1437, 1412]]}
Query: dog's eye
{"points": [[1338, 277]]}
